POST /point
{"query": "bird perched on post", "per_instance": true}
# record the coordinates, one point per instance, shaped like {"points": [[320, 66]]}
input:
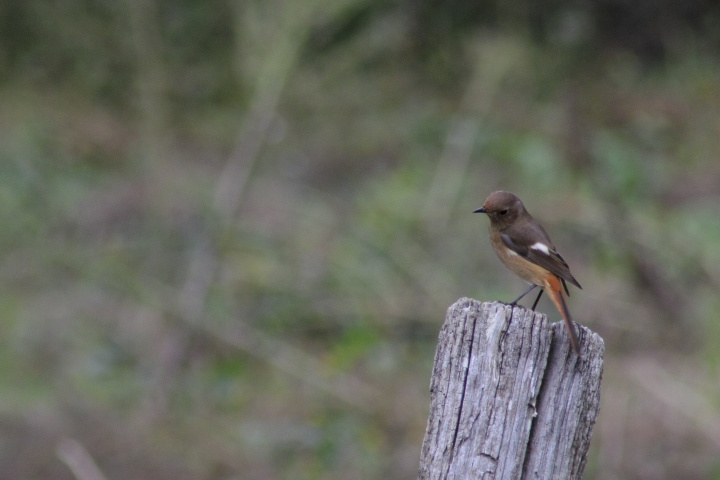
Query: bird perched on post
{"points": [[524, 247]]}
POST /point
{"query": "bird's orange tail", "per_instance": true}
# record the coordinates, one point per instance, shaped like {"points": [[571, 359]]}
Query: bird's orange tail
{"points": [[554, 290]]}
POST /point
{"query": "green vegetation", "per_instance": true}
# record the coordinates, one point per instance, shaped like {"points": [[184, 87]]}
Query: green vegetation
{"points": [[230, 231]]}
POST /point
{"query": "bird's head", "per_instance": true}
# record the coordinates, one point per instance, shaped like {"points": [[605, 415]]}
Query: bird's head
{"points": [[503, 208]]}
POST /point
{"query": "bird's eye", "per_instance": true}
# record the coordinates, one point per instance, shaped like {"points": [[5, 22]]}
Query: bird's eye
{"points": [[503, 212]]}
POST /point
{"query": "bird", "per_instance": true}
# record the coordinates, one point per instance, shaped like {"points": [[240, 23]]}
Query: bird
{"points": [[525, 248]]}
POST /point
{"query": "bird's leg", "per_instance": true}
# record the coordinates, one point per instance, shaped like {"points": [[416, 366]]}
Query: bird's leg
{"points": [[524, 293], [537, 299]]}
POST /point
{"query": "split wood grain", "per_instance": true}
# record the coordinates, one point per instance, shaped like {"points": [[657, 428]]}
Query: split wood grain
{"points": [[509, 398]]}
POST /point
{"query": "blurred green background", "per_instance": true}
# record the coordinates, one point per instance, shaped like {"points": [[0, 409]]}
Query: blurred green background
{"points": [[231, 230]]}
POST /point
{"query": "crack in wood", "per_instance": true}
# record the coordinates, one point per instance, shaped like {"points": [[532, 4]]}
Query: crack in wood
{"points": [[505, 359]]}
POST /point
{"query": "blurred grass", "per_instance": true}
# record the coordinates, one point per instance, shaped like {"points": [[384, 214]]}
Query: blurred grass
{"points": [[228, 255]]}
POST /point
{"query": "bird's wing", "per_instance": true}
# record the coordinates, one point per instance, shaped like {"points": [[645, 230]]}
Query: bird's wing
{"points": [[532, 243]]}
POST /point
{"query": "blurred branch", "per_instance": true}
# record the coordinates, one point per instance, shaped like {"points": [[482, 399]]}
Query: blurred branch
{"points": [[679, 396], [269, 85], [151, 80], [295, 24], [450, 171], [77, 458], [189, 302], [494, 61], [296, 363]]}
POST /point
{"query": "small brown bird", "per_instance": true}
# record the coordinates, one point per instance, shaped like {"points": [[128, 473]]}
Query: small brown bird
{"points": [[523, 246]]}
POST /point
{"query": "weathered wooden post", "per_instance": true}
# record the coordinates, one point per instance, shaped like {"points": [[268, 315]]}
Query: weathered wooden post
{"points": [[509, 398]]}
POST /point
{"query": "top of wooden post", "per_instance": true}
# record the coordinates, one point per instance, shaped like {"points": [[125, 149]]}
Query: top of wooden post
{"points": [[509, 397]]}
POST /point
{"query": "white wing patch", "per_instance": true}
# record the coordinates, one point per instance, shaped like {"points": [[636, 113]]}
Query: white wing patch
{"points": [[541, 246], [510, 251]]}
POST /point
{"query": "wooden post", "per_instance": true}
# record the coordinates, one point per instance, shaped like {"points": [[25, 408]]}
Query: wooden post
{"points": [[508, 397]]}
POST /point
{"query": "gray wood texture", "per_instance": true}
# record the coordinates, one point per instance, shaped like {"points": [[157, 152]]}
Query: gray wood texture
{"points": [[508, 397]]}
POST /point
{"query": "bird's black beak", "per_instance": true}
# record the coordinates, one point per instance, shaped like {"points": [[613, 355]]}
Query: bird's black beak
{"points": [[480, 210]]}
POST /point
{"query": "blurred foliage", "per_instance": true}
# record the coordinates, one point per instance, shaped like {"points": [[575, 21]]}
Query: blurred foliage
{"points": [[231, 230]]}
